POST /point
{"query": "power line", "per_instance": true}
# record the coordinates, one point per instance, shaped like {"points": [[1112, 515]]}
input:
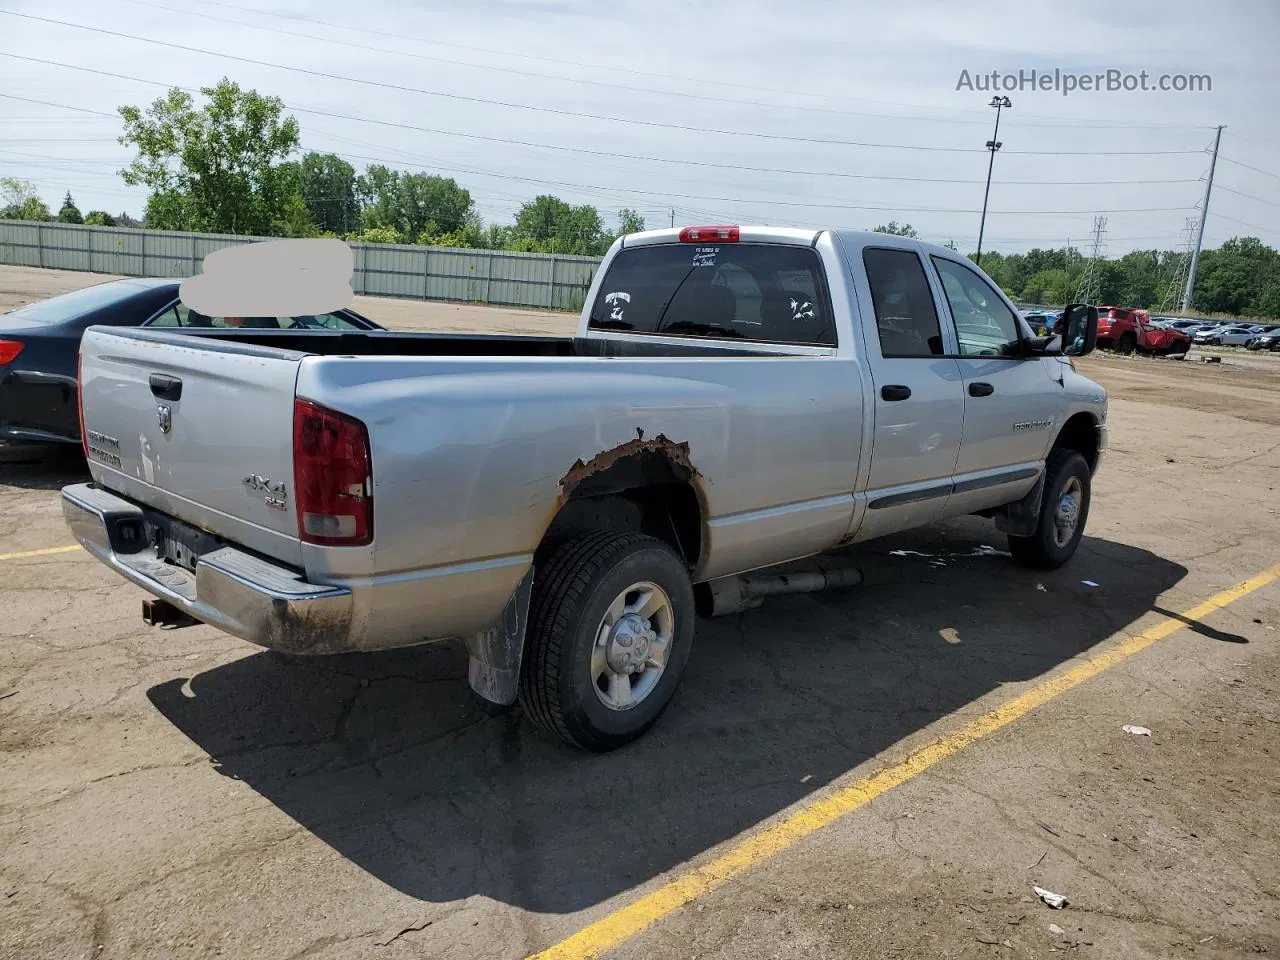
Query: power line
{"points": [[751, 169], [64, 106], [614, 68], [508, 141], [1244, 223], [745, 201], [555, 111], [347, 43], [1250, 196], [1247, 167]]}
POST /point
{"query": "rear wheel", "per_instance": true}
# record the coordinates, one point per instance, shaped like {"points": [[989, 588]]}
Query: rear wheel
{"points": [[1063, 513], [1126, 343], [610, 631]]}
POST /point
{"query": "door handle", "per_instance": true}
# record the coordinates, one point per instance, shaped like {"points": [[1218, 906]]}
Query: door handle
{"points": [[894, 391], [980, 389], [166, 388]]}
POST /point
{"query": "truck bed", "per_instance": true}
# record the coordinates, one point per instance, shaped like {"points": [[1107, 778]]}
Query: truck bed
{"points": [[395, 343]]}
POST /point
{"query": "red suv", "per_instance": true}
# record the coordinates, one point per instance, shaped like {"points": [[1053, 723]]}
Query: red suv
{"points": [[1125, 330]]}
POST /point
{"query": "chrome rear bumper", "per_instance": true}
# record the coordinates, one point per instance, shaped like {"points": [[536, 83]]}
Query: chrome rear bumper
{"points": [[238, 592]]}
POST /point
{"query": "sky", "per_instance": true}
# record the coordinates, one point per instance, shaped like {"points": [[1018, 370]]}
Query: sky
{"points": [[821, 114]]}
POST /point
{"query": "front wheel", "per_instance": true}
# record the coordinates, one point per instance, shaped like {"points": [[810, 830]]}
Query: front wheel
{"points": [[1063, 513], [610, 631]]}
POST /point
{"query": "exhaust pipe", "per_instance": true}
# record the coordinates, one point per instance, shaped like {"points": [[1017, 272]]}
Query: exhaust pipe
{"points": [[162, 613], [730, 595]]}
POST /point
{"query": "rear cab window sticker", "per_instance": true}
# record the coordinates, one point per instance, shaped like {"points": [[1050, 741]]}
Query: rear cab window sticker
{"points": [[616, 301], [705, 256]]}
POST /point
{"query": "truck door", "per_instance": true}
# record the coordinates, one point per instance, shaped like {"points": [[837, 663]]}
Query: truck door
{"points": [[918, 394], [1012, 401]]}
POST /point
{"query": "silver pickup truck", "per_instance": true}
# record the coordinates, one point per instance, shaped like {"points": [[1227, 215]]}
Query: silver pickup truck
{"points": [[735, 398]]}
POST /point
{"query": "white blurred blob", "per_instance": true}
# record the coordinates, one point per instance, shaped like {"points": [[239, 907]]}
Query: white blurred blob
{"points": [[275, 278]]}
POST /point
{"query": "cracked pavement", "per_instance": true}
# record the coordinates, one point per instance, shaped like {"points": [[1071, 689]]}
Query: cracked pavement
{"points": [[179, 793]]}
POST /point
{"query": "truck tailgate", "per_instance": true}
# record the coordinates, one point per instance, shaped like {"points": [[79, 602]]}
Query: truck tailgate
{"points": [[200, 430]]}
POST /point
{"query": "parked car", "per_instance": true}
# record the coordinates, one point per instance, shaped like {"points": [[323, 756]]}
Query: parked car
{"points": [[1229, 336], [1041, 321], [1186, 326], [1266, 341], [1126, 330], [39, 343], [735, 398]]}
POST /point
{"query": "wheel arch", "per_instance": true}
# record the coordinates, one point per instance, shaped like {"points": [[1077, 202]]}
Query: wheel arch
{"points": [[645, 485]]}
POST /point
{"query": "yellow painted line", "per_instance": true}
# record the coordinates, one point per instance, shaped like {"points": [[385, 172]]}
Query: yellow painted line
{"points": [[625, 923], [46, 552]]}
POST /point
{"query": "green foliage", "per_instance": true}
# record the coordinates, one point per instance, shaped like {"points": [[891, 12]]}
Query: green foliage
{"points": [[455, 238], [99, 218], [896, 229], [414, 203], [69, 212], [19, 200], [217, 168], [629, 222], [328, 187], [1046, 286], [377, 235], [547, 224]]}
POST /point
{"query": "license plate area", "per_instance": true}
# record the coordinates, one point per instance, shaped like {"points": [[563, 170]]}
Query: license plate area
{"points": [[176, 542]]}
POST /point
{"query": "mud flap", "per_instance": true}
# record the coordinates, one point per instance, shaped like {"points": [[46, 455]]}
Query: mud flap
{"points": [[1022, 519], [494, 668]]}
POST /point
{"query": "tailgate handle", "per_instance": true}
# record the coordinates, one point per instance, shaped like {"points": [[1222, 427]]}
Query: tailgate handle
{"points": [[166, 388]]}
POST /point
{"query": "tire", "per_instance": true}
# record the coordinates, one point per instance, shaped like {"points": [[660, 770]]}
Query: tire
{"points": [[1179, 347], [1048, 548], [579, 586], [1126, 343]]}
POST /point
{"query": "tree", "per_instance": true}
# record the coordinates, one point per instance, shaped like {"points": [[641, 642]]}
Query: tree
{"points": [[1046, 286], [892, 227], [415, 203], [218, 167], [327, 184], [99, 218], [547, 224], [21, 200], [69, 212], [629, 222]]}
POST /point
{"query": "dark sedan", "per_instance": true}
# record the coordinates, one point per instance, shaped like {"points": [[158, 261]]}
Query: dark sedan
{"points": [[40, 344]]}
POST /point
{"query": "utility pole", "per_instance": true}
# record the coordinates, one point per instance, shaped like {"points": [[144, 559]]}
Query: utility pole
{"points": [[673, 216], [993, 145], [1204, 215]]}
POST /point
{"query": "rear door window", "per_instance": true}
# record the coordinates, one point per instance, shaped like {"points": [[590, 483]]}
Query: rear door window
{"points": [[752, 291], [906, 317]]}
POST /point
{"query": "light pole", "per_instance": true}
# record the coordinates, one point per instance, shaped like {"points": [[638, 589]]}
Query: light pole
{"points": [[993, 145]]}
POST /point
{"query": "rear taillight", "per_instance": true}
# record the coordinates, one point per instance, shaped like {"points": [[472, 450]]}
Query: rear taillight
{"points": [[710, 235], [84, 437], [9, 350], [332, 482]]}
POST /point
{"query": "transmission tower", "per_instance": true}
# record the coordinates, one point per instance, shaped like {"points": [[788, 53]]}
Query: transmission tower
{"points": [[1172, 299], [1088, 289]]}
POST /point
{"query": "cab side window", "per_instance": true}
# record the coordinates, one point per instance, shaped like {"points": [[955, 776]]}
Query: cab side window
{"points": [[985, 325], [905, 315]]}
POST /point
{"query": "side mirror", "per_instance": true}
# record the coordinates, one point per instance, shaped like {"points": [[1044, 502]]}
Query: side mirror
{"points": [[1079, 329]]}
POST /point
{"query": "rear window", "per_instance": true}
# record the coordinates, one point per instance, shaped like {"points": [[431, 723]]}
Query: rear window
{"points": [[78, 302], [752, 291]]}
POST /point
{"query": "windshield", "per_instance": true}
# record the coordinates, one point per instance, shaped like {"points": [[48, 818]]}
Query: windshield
{"points": [[78, 302], [753, 291]]}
